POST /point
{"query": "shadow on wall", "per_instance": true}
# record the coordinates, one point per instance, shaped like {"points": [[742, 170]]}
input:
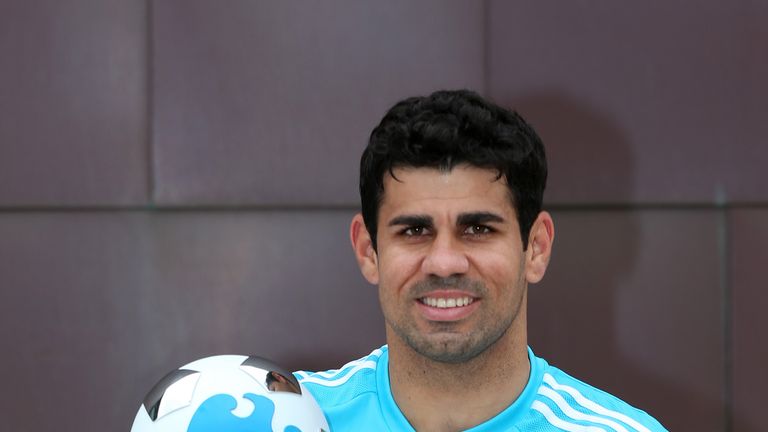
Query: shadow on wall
{"points": [[573, 313]]}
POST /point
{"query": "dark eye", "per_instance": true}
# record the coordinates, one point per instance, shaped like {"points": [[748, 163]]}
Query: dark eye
{"points": [[477, 230], [414, 231]]}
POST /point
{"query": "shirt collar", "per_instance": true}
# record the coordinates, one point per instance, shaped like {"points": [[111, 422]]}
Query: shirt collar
{"points": [[507, 418]]}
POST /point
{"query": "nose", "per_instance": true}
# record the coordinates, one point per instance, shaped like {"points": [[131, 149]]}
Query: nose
{"points": [[445, 258]]}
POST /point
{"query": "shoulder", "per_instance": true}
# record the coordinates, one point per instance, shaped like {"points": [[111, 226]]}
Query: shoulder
{"points": [[337, 387], [349, 395], [563, 400]]}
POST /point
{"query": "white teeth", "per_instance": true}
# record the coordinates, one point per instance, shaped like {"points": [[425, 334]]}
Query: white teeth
{"points": [[443, 303]]}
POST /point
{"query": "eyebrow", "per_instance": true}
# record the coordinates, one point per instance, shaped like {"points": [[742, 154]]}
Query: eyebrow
{"points": [[472, 218], [411, 220], [476, 218]]}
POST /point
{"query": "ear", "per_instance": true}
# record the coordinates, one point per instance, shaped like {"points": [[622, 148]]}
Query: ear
{"points": [[539, 247], [367, 259]]}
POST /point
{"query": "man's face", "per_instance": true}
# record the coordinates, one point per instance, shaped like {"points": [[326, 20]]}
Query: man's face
{"points": [[450, 262]]}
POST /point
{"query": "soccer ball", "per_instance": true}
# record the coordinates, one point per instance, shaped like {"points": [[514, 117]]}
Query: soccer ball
{"points": [[229, 393]]}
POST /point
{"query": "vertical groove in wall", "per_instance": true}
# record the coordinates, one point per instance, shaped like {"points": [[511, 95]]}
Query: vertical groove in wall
{"points": [[724, 252], [486, 48], [150, 102]]}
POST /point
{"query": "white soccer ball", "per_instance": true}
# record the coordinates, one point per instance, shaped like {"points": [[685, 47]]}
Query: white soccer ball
{"points": [[229, 393]]}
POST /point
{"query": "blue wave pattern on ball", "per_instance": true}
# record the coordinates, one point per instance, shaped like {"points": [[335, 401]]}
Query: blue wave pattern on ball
{"points": [[215, 414]]}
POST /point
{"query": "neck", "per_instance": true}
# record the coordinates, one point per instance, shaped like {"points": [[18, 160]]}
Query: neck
{"points": [[437, 396]]}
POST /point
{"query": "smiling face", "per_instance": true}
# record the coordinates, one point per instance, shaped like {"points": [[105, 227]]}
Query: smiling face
{"points": [[450, 265]]}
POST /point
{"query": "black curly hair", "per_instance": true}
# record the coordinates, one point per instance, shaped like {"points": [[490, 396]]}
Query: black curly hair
{"points": [[449, 128]]}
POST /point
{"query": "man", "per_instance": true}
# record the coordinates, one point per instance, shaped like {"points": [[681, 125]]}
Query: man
{"points": [[452, 232]]}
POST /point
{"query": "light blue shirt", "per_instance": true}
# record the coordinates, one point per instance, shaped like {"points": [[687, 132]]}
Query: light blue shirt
{"points": [[357, 397]]}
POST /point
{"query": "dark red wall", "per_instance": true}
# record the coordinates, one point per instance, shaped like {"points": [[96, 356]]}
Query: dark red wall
{"points": [[176, 179]]}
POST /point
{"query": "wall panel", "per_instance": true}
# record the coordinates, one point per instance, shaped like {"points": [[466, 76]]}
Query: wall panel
{"points": [[262, 102], [667, 98], [73, 127], [632, 303], [749, 246], [98, 306]]}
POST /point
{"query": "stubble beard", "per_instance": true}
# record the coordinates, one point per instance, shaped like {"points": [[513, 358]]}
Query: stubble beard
{"points": [[443, 343]]}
